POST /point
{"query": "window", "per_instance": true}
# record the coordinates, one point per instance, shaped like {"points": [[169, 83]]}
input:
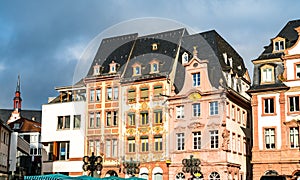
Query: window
{"points": [[111, 147], [63, 122], [144, 118], [214, 176], [213, 107], [112, 67], [136, 70], [233, 112], [111, 118], [180, 141], [268, 105], [214, 139], [116, 93], [157, 116], [144, 93], [131, 119], [239, 144], [108, 148], [196, 109], [98, 94], [298, 71], [185, 58], [294, 103], [114, 148], [154, 46], [91, 120], [294, 137], [97, 147], [92, 95], [157, 90], [131, 144], [98, 115], [196, 79], [50, 153], [267, 72], [179, 112], [96, 69], [91, 146], [154, 67], [270, 138], [278, 45], [109, 93], [197, 140], [131, 95], [158, 143], [63, 150], [77, 121], [145, 144]]}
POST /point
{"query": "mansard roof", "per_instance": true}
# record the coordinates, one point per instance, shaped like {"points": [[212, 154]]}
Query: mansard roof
{"points": [[170, 46], [290, 35], [25, 125], [113, 49]]}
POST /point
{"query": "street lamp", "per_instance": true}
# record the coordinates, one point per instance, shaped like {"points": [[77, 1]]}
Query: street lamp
{"points": [[131, 167], [192, 166], [92, 163]]}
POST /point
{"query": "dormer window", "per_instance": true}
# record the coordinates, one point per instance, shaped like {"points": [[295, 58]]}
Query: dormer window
{"points": [[278, 44], [96, 69], [154, 66], [112, 67], [16, 126], [136, 69], [267, 74], [154, 46], [185, 58]]}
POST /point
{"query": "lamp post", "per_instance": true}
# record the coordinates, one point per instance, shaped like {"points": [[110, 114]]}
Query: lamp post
{"points": [[92, 163], [191, 165], [131, 167]]}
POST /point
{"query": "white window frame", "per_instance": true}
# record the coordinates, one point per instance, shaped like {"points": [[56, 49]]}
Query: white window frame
{"points": [[180, 112]]}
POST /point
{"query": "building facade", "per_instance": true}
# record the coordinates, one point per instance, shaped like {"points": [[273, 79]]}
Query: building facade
{"points": [[63, 131], [275, 106], [210, 116], [137, 85]]}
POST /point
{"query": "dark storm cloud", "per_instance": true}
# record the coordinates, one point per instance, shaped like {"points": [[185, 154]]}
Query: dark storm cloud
{"points": [[42, 40]]}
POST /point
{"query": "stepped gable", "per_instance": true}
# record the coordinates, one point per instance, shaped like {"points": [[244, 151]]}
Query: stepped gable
{"points": [[113, 49], [290, 35]]}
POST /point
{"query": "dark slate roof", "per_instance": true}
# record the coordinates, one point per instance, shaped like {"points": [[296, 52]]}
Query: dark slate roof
{"points": [[28, 114], [290, 35], [114, 48], [142, 54]]}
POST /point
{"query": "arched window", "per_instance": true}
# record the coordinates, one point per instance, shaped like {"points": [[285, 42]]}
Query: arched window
{"points": [[180, 176], [214, 176], [271, 173], [144, 173], [157, 173]]}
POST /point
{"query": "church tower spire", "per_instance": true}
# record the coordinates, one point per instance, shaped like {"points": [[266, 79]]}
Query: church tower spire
{"points": [[17, 98]]}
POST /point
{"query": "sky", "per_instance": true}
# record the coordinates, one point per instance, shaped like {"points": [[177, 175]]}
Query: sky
{"points": [[46, 41]]}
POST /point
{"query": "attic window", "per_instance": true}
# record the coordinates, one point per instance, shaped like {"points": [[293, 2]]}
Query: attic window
{"points": [[154, 66], [278, 44], [267, 74], [136, 70], [112, 67], [96, 69], [154, 46], [16, 126], [185, 58]]}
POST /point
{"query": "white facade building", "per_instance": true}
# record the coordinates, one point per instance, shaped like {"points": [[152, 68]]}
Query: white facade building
{"points": [[63, 131]]}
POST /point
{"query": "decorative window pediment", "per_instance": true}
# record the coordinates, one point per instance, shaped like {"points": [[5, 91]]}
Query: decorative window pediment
{"points": [[267, 74], [278, 44]]}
